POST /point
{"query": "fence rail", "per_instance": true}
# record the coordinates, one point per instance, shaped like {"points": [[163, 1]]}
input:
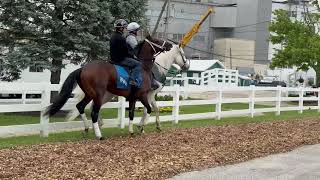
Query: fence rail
{"points": [[44, 127]]}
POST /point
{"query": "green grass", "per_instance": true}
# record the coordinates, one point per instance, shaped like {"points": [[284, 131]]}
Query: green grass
{"points": [[8, 119], [115, 132]]}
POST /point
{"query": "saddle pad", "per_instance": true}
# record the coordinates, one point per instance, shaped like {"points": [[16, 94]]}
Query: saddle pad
{"points": [[123, 78]]}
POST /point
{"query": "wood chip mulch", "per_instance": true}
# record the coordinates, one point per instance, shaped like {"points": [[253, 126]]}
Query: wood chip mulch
{"points": [[157, 155]]}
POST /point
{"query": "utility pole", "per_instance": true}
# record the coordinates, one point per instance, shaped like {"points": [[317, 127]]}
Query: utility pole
{"points": [[290, 8], [159, 18], [230, 54], [166, 21]]}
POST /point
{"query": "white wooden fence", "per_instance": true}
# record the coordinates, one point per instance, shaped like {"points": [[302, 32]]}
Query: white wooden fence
{"points": [[44, 127]]}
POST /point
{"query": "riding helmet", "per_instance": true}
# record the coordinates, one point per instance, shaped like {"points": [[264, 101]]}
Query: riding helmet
{"points": [[120, 23], [133, 26]]}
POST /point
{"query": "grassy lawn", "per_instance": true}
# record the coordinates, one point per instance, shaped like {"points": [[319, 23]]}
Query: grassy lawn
{"points": [[115, 132], [7, 119]]}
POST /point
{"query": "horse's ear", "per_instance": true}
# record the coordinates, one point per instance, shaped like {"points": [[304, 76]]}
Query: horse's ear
{"points": [[147, 35]]}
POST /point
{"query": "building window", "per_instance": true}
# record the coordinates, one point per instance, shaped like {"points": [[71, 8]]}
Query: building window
{"points": [[177, 37], [292, 14], [36, 68], [199, 38], [160, 35]]}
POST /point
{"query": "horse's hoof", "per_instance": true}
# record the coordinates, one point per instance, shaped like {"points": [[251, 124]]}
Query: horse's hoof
{"points": [[101, 138], [140, 128], [85, 133], [159, 129]]}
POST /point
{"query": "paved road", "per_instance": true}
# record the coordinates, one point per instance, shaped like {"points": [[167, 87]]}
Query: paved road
{"points": [[300, 164]]}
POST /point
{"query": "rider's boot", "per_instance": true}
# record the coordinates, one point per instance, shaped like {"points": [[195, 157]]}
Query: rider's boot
{"points": [[154, 84]]}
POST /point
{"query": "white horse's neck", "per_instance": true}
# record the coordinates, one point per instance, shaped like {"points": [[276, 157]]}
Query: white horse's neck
{"points": [[166, 59]]}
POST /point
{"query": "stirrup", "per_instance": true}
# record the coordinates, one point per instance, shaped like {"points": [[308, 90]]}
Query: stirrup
{"points": [[133, 83], [154, 86]]}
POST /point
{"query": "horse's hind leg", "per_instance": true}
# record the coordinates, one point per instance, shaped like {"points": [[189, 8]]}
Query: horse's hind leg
{"points": [[132, 105], [106, 98], [81, 106], [94, 115]]}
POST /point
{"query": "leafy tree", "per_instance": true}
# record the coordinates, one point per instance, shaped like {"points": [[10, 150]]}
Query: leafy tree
{"points": [[299, 40], [46, 32], [131, 10]]}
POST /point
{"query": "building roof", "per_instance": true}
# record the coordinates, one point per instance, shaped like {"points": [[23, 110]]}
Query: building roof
{"points": [[202, 65]]}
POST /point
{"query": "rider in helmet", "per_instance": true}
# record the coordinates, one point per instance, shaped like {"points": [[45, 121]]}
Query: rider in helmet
{"points": [[132, 41], [119, 51], [133, 29]]}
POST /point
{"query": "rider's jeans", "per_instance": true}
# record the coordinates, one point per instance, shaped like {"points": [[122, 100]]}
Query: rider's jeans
{"points": [[136, 68]]}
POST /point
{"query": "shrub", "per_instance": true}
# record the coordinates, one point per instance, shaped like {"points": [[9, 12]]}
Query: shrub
{"points": [[166, 98]]}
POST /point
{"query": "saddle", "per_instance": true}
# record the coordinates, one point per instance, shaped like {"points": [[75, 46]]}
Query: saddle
{"points": [[123, 76]]}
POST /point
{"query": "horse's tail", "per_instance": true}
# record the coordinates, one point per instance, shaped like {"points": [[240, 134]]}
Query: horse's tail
{"points": [[65, 92]]}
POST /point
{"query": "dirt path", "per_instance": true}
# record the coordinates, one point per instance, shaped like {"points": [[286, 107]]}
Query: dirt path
{"points": [[157, 156]]}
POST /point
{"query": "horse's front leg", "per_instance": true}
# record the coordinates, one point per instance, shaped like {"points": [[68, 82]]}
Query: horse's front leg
{"points": [[147, 112], [156, 110], [143, 121], [132, 105], [145, 117]]}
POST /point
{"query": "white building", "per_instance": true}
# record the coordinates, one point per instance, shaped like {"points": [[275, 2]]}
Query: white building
{"points": [[206, 72], [36, 74]]}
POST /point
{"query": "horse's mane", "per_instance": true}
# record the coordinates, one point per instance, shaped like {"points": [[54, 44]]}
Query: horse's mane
{"points": [[138, 47]]}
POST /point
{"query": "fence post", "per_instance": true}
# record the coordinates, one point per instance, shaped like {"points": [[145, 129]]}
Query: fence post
{"points": [[251, 103], [122, 111], [318, 99], [219, 103], [301, 100], [237, 78], [24, 92], [278, 102], [45, 102], [175, 110], [186, 85]]}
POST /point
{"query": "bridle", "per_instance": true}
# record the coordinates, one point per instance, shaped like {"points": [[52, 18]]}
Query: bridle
{"points": [[153, 45], [162, 49], [185, 60]]}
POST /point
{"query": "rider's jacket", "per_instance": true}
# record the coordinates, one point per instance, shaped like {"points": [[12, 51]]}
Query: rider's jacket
{"points": [[132, 41], [118, 47]]}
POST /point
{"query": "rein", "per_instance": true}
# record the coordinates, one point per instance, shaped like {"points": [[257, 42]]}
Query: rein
{"points": [[153, 45]]}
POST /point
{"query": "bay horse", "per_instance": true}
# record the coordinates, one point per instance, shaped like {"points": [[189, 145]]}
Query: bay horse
{"points": [[162, 64], [98, 82]]}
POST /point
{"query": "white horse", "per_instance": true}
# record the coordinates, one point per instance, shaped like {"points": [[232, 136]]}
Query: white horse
{"points": [[163, 62]]}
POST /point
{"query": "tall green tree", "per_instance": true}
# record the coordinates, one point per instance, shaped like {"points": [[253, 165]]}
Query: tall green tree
{"points": [[299, 40], [46, 32]]}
